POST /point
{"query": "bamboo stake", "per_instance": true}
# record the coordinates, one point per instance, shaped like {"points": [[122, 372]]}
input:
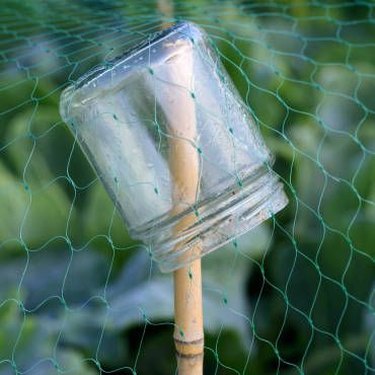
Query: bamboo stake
{"points": [[166, 8], [188, 335], [184, 165]]}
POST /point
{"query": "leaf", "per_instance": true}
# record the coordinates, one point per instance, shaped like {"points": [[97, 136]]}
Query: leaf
{"points": [[34, 206], [79, 318], [30, 343], [14, 201], [101, 217], [62, 267], [30, 218]]}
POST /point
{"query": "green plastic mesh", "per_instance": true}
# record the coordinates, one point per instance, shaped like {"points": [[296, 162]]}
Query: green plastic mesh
{"points": [[294, 296]]}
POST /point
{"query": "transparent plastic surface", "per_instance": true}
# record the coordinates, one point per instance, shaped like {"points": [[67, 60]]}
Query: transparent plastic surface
{"points": [[127, 116]]}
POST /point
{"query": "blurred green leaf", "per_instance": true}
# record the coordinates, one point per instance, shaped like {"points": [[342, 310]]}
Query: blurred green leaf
{"points": [[34, 199], [32, 217], [29, 344], [62, 305], [99, 216]]}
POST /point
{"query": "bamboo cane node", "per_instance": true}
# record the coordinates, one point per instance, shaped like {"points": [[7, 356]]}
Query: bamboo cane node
{"points": [[189, 356], [189, 348]]}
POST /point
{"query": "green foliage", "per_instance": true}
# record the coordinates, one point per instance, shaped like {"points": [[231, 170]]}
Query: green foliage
{"points": [[29, 344], [296, 295]]}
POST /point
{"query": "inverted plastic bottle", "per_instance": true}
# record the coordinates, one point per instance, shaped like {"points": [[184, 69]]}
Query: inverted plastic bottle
{"points": [[125, 114]]}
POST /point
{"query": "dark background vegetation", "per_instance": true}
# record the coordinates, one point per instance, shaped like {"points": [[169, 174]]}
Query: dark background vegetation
{"points": [[296, 295]]}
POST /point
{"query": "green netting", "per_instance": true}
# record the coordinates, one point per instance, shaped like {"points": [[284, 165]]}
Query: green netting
{"points": [[294, 296]]}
